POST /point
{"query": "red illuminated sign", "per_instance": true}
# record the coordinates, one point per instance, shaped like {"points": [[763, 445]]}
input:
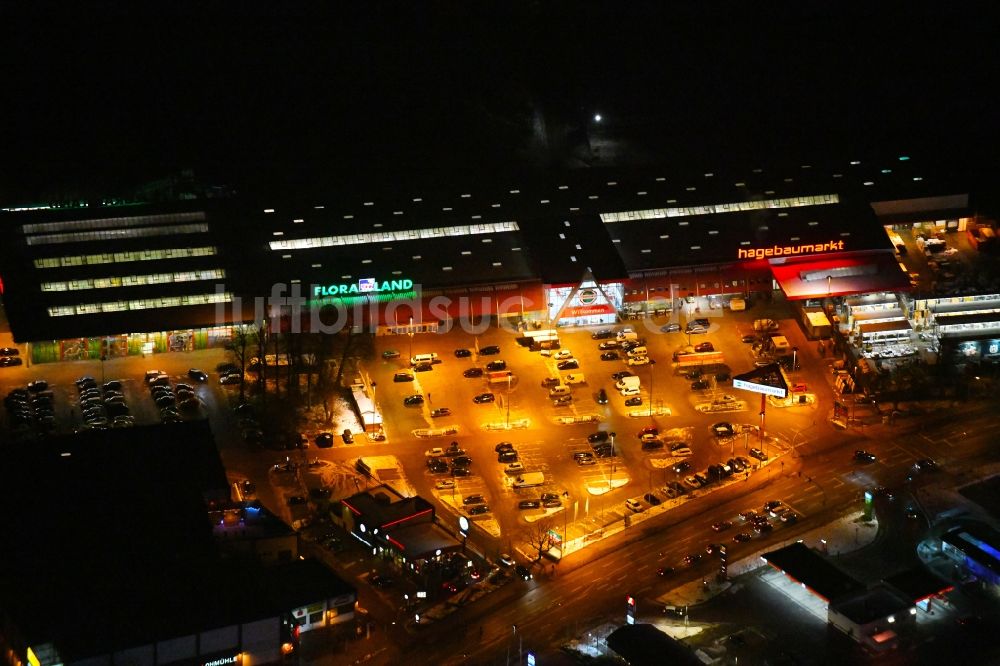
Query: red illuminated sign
{"points": [[788, 250]]}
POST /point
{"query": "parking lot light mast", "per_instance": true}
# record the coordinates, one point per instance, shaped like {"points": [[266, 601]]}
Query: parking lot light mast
{"points": [[612, 477], [410, 333], [651, 364]]}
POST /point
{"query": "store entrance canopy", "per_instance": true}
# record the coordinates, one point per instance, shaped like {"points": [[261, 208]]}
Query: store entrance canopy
{"points": [[840, 275]]}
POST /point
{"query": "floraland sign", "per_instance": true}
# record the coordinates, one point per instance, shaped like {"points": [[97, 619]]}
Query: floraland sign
{"points": [[364, 286]]}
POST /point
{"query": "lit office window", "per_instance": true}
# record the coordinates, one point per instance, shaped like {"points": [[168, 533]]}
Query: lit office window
{"points": [[112, 222], [738, 206], [117, 234], [139, 304], [390, 236], [135, 280], [126, 257]]}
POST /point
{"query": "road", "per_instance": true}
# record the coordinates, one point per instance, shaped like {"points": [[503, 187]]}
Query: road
{"points": [[590, 587]]}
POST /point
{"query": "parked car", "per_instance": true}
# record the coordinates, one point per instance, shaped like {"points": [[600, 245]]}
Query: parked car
{"points": [[704, 347], [602, 334], [348, 436], [473, 499], [231, 379], [483, 398], [681, 467], [390, 354], [496, 366], [634, 401], [758, 454], [439, 412], [413, 400], [723, 429], [198, 375], [609, 344], [699, 385], [652, 445], [38, 386], [633, 505], [672, 327], [864, 456], [652, 499], [473, 373], [610, 356], [402, 376], [529, 504], [462, 353], [489, 350], [568, 364]]}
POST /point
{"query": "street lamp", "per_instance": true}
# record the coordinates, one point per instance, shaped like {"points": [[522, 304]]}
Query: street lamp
{"points": [[565, 537], [506, 422], [611, 478], [410, 333], [374, 408], [651, 364]]}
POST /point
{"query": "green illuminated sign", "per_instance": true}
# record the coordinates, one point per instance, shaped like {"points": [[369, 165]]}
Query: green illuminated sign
{"points": [[364, 286]]}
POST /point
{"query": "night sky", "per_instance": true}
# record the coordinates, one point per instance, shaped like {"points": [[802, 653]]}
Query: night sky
{"points": [[272, 99]]}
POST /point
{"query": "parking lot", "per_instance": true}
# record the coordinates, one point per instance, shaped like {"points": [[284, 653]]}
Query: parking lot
{"points": [[552, 438], [591, 485]]}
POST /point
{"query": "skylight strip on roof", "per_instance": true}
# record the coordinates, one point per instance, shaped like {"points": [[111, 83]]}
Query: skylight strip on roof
{"points": [[112, 222], [390, 236], [738, 206]]}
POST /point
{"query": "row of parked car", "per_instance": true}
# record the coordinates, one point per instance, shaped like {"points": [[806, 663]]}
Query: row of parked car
{"points": [[9, 356], [30, 407], [103, 405], [172, 401]]}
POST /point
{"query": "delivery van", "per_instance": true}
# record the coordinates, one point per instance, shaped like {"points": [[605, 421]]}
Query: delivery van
{"points": [[424, 358], [638, 351], [627, 334], [559, 390], [627, 382]]}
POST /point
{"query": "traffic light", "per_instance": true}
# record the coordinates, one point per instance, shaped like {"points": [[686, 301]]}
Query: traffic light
{"points": [[630, 612]]}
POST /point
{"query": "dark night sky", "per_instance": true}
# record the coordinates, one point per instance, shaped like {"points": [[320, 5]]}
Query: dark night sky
{"points": [[110, 99]]}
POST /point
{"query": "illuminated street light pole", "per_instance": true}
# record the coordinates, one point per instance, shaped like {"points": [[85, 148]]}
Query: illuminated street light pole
{"points": [[651, 364], [507, 418], [612, 477], [410, 333]]}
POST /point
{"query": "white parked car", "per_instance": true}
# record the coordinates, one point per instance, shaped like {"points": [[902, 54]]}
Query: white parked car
{"points": [[638, 360], [436, 452], [563, 354], [682, 451], [575, 378], [447, 484], [634, 505], [514, 468]]}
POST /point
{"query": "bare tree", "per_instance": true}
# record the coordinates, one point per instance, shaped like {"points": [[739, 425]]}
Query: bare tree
{"points": [[537, 536]]}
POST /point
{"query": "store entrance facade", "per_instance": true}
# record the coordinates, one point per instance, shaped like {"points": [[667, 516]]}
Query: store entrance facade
{"points": [[585, 304]]}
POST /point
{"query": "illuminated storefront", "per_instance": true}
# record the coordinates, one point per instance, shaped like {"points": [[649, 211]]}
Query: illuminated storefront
{"points": [[585, 304]]}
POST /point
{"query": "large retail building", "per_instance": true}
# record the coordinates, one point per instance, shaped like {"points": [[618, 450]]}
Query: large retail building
{"points": [[592, 248]]}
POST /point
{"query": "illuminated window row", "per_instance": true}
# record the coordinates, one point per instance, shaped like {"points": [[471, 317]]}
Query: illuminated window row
{"points": [[112, 222], [389, 236], [139, 304], [688, 211], [126, 257], [134, 280], [118, 234]]}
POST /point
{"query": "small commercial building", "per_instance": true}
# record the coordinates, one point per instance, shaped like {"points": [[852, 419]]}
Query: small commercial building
{"points": [[400, 528], [871, 616], [975, 547]]}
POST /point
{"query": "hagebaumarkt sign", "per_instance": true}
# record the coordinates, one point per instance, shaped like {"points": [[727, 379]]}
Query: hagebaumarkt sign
{"points": [[788, 250], [364, 286]]}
